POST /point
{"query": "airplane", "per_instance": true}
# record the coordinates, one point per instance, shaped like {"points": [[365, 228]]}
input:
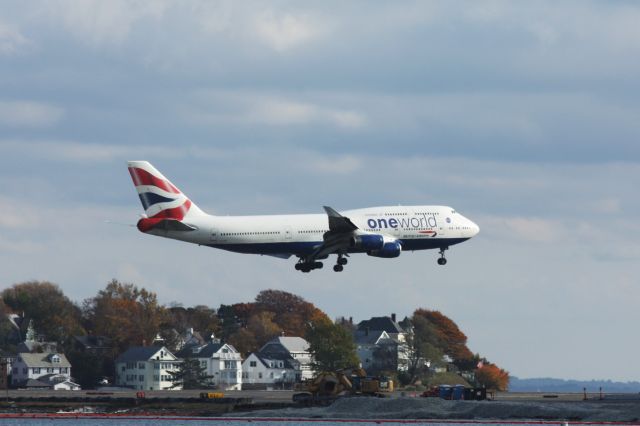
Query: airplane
{"points": [[383, 232]]}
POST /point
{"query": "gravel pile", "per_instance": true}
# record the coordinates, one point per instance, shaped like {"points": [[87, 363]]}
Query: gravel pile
{"points": [[435, 408]]}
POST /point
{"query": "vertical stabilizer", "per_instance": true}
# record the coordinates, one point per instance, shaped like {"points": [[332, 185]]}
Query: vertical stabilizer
{"points": [[159, 197]]}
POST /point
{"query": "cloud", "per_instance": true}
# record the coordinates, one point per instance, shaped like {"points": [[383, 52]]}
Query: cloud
{"points": [[245, 107], [280, 112], [16, 215], [287, 31], [29, 114], [99, 23], [11, 40], [341, 165], [80, 152]]}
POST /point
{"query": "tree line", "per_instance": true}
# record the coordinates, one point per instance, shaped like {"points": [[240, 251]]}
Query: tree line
{"points": [[132, 316]]}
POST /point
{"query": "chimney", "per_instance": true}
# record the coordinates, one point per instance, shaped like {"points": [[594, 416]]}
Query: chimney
{"points": [[393, 317], [350, 320]]}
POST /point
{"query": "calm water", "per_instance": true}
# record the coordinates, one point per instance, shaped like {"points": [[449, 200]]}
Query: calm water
{"points": [[234, 422]]}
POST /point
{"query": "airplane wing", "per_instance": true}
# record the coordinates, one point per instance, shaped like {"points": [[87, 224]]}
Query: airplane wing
{"points": [[337, 238], [339, 223]]}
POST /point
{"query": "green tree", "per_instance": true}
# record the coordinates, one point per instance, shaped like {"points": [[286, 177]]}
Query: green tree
{"points": [[190, 375], [54, 316], [9, 335], [331, 345], [422, 346]]}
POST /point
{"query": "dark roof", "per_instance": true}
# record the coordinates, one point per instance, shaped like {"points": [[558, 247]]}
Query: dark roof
{"points": [[138, 353], [33, 383], [381, 323], [362, 337], [289, 362], [91, 342], [205, 351]]}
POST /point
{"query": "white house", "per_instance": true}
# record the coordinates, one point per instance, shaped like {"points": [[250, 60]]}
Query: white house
{"points": [[58, 382], [221, 360], [269, 372], [294, 347], [376, 350], [382, 344], [35, 366], [146, 368]]}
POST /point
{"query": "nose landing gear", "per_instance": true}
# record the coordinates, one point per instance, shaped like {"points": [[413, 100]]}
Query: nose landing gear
{"points": [[442, 260]]}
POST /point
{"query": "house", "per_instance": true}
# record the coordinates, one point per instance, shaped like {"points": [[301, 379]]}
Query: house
{"points": [[33, 343], [97, 345], [270, 371], [297, 348], [221, 360], [50, 382], [34, 366], [6, 362], [192, 338], [376, 350], [388, 324], [146, 368], [382, 344]]}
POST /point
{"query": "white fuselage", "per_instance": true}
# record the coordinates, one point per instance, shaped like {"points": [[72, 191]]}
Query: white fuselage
{"points": [[415, 227]]}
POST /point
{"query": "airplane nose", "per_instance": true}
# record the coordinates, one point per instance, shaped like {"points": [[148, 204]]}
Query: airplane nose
{"points": [[475, 229]]}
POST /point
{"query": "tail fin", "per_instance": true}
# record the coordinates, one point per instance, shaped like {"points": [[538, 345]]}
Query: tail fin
{"points": [[159, 197]]}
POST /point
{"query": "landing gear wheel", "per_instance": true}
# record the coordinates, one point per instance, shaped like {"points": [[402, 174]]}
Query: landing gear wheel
{"points": [[342, 261], [338, 268], [442, 260]]}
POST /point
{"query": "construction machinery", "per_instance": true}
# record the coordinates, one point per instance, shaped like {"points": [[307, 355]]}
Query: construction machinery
{"points": [[327, 386]]}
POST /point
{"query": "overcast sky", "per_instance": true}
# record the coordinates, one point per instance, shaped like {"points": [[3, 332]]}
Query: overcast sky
{"points": [[524, 116]]}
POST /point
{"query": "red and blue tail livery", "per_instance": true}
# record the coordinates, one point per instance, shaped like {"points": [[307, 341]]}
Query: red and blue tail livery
{"points": [[383, 232], [161, 200]]}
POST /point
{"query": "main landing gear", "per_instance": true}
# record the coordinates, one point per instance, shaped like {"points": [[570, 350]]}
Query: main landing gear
{"points": [[304, 266], [339, 266], [308, 266], [442, 260]]}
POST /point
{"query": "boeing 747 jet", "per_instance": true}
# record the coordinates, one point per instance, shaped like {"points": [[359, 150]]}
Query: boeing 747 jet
{"points": [[383, 232]]}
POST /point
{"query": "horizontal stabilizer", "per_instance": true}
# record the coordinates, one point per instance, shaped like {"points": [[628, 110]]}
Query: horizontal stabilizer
{"points": [[148, 224]]}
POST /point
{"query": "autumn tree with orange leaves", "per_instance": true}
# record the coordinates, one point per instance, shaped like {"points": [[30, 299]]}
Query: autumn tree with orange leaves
{"points": [[452, 340], [130, 316], [248, 326], [492, 377]]}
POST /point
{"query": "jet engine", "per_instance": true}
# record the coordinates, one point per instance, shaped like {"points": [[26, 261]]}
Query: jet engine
{"points": [[388, 250], [367, 242]]}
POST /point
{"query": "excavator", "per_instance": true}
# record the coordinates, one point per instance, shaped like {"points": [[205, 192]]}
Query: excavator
{"points": [[328, 386]]}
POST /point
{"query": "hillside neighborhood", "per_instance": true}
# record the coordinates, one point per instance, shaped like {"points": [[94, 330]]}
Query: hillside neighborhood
{"points": [[238, 347], [280, 363]]}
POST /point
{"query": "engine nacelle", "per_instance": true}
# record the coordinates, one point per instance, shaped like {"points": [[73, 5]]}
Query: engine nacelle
{"points": [[388, 250], [367, 242]]}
